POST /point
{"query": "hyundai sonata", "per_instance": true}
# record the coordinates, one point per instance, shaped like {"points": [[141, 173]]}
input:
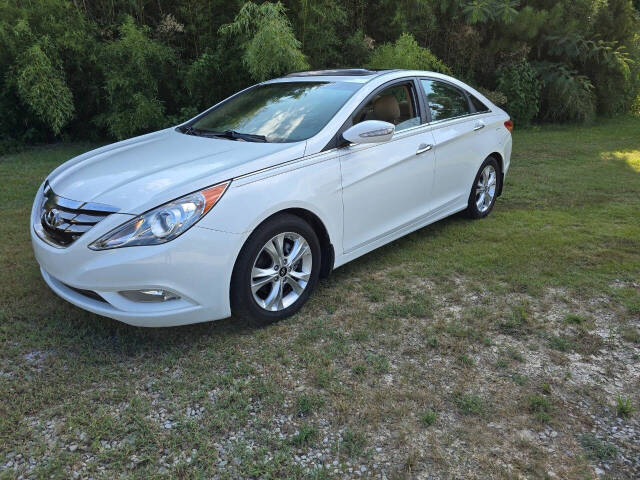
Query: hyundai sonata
{"points": [[243, 208]]}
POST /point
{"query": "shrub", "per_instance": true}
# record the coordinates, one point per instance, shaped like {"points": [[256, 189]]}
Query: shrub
{"points": [[495, 96], [42, 87], [406, 53], [269, 44], [201, 78], [135, 69], [567, 95], [520, 83]]}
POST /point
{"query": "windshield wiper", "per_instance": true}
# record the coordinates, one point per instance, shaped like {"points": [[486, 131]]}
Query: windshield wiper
{"points": [[187, 130], [233, 135]]}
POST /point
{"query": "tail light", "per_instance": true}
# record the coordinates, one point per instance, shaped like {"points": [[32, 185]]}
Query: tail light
{"points": [[509, 125]]}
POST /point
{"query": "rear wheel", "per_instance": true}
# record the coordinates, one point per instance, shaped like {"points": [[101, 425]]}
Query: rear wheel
{"points": [[484, 189], [276, 270]]}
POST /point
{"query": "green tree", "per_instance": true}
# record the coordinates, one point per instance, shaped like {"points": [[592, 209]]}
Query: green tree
{"points": [[406, 53], [519, 82], [269, 44], [42, 87], [134, 68]]}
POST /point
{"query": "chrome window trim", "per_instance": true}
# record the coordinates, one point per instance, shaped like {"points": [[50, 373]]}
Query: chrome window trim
{"points": [[408, 132], [438, 122]]}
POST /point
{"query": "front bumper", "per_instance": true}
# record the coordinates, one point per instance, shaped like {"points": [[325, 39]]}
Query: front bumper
{"points": [[197, 266]]}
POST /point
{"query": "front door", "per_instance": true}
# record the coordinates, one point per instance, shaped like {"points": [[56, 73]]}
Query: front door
{"points": [[387, 186]]}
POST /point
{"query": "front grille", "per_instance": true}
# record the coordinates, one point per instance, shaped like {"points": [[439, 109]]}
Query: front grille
{"points": [[63, 221]]}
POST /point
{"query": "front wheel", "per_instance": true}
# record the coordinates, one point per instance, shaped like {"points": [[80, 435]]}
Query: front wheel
{"points": [[484, 190], [276, 270]]}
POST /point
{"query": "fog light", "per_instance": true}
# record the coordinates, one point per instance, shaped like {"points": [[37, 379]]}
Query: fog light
{"points": [[149, 295]]}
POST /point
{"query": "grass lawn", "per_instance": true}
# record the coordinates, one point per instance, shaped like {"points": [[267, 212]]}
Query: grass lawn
{"points": [[502, 348]]}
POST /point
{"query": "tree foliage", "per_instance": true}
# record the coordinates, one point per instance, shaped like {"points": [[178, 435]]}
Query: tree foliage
{"points": [[139, 71], [120, 68], [270, 46], [42, 87], [520, 84], [406, 53]]}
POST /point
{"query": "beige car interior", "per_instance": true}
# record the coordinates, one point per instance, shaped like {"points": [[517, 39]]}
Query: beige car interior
{"points": [[388, 108]]}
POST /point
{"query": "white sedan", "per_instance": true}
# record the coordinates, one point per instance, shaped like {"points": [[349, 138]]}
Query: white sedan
{"points": [[243, 208]]}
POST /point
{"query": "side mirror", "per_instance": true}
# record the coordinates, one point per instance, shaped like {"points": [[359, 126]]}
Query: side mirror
{"points": [[369, 131]]}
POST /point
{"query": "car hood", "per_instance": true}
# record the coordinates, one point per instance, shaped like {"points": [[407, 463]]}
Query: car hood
{"points": [[141, 173]]}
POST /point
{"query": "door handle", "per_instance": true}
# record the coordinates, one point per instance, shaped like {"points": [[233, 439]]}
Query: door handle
{"points": [[479, 126], [423, 148]]}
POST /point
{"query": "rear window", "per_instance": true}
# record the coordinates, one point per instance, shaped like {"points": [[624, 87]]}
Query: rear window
{"points": [[478, 105], [444, 100]]}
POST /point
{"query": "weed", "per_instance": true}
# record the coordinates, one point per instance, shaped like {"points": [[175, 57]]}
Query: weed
{"points": [[361, 335], [378, 363], [375, 291], [418, 307], [518, 322], [630, 298], [359, 369], [597, 449], [432, 341], [540, 407], [560, 343], [574, 319], [519, 379], [353, 442], [470, 404], [514, 354], [323, 377], [306, 404], [630, 334], [624, 407], [502, 364], [465, 360], [538, 403], [428, 417], [304, 436]]}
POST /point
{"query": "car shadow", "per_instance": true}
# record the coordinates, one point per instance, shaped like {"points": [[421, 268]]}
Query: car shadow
{"points": [[68, 328]]}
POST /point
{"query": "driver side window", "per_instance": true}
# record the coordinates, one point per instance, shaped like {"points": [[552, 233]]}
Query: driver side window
{"points": [[396, 104]]}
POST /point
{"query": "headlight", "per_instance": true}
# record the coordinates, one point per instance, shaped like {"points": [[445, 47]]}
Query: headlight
{"points": [[163, 224]]}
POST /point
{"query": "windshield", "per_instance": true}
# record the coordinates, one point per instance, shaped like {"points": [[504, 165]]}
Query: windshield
{"points": [[279, 112]]}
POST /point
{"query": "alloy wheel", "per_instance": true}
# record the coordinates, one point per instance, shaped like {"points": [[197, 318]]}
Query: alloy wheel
{"points": [[486, 188], [281, 271]]}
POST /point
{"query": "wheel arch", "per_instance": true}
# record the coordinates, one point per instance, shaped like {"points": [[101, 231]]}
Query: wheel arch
{"points": [[327, 251], [500, 161], [326, 247]]}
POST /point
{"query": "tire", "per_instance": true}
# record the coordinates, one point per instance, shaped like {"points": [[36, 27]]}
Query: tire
{"points": [[488, 181], [263, 290]]}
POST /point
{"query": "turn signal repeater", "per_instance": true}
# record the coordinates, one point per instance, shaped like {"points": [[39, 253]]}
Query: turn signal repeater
{"points": [[164, 223]]}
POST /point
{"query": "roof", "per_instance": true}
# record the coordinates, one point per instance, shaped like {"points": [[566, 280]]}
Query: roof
{"points": [[354, 75], [338, 72]]}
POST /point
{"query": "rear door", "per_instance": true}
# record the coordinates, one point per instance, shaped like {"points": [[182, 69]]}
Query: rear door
{"points": [[387, 186], [458, 131]]}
